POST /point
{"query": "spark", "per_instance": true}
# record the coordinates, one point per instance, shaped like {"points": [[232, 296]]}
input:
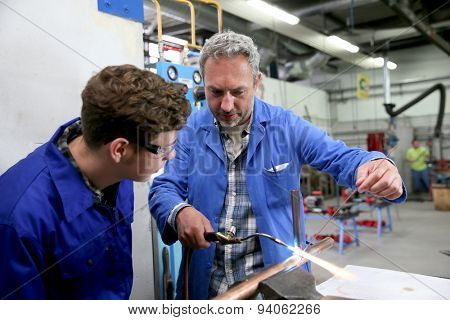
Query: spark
{"points": [[335, 270]]}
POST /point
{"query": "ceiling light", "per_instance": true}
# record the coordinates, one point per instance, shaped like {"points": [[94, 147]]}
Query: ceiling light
{"points": [[343, 44], [379, 62], [274, 11], [391, 65]]}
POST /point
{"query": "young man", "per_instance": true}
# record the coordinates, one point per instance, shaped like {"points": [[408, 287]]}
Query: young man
{"points": [[66, 209], [237, 162]]}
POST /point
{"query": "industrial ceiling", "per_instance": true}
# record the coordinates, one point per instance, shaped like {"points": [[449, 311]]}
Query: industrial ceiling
{"points": [[374, 26]]}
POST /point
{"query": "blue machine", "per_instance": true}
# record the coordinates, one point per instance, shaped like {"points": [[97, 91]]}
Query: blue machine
{"points": [[189, 78]]}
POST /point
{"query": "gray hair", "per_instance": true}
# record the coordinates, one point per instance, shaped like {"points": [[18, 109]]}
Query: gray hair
{"points": [[230, 44]]}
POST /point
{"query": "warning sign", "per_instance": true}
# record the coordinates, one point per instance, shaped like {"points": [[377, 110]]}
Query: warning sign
{"points": [[362, 86]]}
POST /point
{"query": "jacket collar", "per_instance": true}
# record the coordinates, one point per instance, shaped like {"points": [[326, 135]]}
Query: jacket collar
{"points": [[75, 196]]}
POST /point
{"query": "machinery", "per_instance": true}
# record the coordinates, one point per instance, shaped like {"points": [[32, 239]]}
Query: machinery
{"points": [[174, 55], [187, 77], [437, 163]]}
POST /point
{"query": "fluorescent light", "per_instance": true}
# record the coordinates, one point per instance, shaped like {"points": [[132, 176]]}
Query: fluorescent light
{"points": [[391, 65], [274, 11], [379, 62], [343, 44]]}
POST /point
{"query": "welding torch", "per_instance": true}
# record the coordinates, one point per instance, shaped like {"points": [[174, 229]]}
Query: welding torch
{"points": [[230, 238], [223, 239]]}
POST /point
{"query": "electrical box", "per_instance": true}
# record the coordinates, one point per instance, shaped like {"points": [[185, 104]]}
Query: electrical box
{"points": [[189, 79]]}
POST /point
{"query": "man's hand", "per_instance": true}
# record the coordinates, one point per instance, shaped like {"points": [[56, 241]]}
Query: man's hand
{"points": [[380, 178], [191, 227]]}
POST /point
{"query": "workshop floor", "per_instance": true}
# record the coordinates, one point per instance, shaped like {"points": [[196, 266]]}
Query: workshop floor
{"points": [[419, 233]]}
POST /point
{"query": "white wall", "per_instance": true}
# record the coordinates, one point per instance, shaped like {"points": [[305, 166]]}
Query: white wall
{"points": [[48, 51], [353, 118], [419, 63], [295, 97], [40, 78]]}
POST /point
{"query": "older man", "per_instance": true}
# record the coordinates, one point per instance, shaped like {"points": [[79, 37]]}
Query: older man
{"points": [[237, 161]]}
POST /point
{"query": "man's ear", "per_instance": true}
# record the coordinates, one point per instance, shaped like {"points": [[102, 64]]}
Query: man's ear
{"points": [[119, 149], [257, 81]]}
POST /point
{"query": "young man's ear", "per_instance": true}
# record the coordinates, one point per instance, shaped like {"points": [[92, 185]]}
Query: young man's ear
{"points": [[118, 149]]}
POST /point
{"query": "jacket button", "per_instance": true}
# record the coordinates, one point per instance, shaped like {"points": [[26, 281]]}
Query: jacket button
{"points": [[90, 262]]}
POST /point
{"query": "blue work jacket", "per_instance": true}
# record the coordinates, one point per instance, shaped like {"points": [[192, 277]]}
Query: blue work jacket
{"points": [[56, 241], [278, 139]]}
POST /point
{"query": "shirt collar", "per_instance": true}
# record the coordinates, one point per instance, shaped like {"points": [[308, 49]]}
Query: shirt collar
{"points": [[71, 132]]}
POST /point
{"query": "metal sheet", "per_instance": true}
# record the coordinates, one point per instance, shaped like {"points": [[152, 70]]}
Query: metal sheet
{"points": [[373, 284]]}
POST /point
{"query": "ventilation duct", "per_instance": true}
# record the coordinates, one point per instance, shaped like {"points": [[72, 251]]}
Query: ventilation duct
{"points": [[303, 69]]}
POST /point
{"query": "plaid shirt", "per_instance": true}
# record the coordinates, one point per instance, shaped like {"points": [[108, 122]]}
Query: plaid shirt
{"points": [[62, 143], [233, 263]]}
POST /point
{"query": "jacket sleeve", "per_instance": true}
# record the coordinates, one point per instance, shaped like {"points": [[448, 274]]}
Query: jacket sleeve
{"points": [[19, 260], [171, 188], [316, 148]]}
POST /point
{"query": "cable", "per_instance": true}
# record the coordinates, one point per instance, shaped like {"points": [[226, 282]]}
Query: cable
{"points": [[265, 235]]}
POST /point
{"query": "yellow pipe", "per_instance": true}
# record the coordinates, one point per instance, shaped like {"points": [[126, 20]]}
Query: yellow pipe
{"points": [[158, 18], [192, 9], [218, 7]]}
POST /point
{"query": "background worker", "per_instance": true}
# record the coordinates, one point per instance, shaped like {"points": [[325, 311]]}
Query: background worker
{"points": [[417, 156]]}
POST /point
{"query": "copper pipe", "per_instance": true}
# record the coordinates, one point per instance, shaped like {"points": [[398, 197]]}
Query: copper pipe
{"points": [[248, 287], [193, 43], [218, 7], [159, 19]]}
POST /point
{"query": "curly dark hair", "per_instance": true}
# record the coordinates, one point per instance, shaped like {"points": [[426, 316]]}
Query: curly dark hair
{"points": [[125, 101]]}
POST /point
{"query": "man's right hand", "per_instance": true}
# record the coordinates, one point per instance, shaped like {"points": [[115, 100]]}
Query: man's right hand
{"points": [[191, 227]]}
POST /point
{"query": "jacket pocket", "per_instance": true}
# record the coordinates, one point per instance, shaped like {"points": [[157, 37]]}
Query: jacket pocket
{"points": [[278, 168], [83, 259], [278, 186]]}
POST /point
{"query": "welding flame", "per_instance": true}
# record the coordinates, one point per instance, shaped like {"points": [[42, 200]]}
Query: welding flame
{"points": [[334, 269]]}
